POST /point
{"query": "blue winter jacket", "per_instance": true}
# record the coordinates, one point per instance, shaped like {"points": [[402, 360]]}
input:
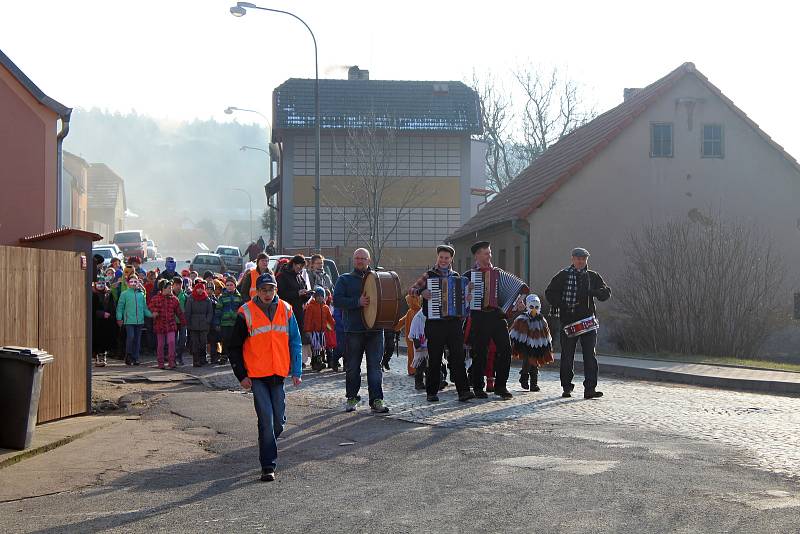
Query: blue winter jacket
{"points": [[346, 295]]}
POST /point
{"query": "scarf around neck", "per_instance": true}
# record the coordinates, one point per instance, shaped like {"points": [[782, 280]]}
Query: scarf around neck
{"points": [[199, 294], [570, 293]]}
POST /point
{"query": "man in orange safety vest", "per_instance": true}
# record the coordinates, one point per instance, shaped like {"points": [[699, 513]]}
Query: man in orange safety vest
{"points": [[265, 348]]}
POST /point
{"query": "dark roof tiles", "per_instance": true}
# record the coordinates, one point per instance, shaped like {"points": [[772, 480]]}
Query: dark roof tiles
{"points": [[382, 104], [564, 159]]}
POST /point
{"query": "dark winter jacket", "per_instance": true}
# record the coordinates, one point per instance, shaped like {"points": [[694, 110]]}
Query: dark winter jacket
{"points": [[590, 286], [289, 286], [104, 329], [346, 295], [199, 313]]}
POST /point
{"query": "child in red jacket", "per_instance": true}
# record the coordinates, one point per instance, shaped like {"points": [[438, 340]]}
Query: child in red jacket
{"points": [[317, 322], [165, 325]]}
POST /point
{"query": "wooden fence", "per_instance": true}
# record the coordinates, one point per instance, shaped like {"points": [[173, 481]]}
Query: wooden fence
{"points": [[43, 303]]}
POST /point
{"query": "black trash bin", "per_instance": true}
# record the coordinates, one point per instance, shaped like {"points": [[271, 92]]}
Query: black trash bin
{"points": [[20, 385]]}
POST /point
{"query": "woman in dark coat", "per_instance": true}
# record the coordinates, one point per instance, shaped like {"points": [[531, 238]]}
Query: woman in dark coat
{"points": [[104, 324]]}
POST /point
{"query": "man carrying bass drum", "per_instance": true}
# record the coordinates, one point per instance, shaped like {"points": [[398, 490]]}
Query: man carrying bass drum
{"points": [[347, 297]]}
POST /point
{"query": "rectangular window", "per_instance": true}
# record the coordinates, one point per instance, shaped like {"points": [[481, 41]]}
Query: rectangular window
{"points": [[501, 258], [517, 262], [661, 140], [712, 146]]}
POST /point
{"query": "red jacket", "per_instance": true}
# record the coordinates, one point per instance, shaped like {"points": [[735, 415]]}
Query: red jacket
{"points": [[168, 308], [317, 317]]}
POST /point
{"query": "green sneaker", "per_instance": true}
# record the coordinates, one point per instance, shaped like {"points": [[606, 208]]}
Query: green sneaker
{"points": [[379, 407], [351, 405]]}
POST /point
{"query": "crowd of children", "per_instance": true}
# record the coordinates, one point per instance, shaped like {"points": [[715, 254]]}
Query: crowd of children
{"points": [[173, 313]]}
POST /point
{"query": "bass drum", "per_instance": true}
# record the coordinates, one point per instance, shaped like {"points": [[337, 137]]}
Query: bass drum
{"points": [[383, 290]]}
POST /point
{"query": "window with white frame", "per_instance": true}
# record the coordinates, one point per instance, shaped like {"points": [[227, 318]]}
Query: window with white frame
{"points": [[713, 142], [661, 140]]}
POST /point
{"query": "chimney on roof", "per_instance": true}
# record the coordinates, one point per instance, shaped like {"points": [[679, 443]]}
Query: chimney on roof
{"points": [[354, 73], [629, 92]]}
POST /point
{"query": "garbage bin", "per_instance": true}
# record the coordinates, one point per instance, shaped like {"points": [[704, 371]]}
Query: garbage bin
{"points": [[20, 385]]}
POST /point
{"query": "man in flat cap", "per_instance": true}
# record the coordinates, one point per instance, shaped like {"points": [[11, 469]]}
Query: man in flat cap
{"points": [[443, 331], [488, 323], [572, 291], [265, 347]]}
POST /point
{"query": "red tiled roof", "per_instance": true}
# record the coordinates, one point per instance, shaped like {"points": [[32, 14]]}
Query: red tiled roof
{"points": [[534, 185], [64, 230]]}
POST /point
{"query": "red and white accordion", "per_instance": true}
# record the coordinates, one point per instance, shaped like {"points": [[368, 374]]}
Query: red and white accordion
{"points": [[495, 288], [578, 328]]}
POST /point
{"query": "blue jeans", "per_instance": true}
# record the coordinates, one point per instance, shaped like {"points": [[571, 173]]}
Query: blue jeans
{"points": [[357, 344], [133, 341], [270, 401]]}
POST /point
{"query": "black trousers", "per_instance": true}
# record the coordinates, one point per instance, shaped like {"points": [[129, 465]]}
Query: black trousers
{"points": [[568, 344], [486, 326], [445, 333]]}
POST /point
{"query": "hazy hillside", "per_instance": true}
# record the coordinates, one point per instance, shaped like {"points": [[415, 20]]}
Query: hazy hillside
{"points": [[175, 171]]}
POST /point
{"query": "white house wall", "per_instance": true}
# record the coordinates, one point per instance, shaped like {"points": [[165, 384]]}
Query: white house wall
{"points": [[623, 188]]}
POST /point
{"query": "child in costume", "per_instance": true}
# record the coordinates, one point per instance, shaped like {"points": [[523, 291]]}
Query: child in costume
{"points": [[404, 325], [416, 333], [318, 321], [531, 342]]}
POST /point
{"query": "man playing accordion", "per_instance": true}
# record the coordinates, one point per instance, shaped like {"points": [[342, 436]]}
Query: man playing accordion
{"points": [[444, 305], [489, 322], [572, 292]]}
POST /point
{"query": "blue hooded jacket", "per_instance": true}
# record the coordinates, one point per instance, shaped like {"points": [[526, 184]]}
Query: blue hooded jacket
{"points": [[346, 295]]}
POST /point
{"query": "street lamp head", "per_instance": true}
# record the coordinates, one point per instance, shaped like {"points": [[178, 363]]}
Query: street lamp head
{"points": [[229, 110], [243, 149], [238, 11]]}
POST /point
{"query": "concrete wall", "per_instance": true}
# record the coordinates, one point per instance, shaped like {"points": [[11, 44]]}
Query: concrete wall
{"points": [[27, 163], [623, 188]]}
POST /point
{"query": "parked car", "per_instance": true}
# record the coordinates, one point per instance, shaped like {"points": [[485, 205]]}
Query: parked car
{"points": [[108, 252], [327, 264], [132, 243], [207, 261], [232, 257], [152, 251]]}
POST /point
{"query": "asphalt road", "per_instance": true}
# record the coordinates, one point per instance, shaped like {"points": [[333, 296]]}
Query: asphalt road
{"points": [[357, 472]]}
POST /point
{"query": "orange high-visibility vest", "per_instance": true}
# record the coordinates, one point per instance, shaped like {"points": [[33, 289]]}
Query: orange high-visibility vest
{"points": [[266, 349], [254, 274]]}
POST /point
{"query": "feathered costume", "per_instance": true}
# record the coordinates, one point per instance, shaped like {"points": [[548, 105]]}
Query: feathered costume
{"points": [[417, 335], [531, 339]]}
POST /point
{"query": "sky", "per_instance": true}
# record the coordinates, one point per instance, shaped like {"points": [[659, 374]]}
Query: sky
{"points": [[181, 59]]}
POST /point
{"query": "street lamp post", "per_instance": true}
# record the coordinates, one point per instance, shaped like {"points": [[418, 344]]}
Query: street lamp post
{"points": [[250, 201], [240, 10]]}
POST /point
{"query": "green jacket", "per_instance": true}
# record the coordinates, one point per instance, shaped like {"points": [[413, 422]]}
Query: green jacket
{"points": [[228, 305], [132, 308], [182, 301]]}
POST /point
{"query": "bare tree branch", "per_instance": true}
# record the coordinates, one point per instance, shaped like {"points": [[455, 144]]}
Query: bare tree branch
{"points": [[380, 199], [550, 108]]}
